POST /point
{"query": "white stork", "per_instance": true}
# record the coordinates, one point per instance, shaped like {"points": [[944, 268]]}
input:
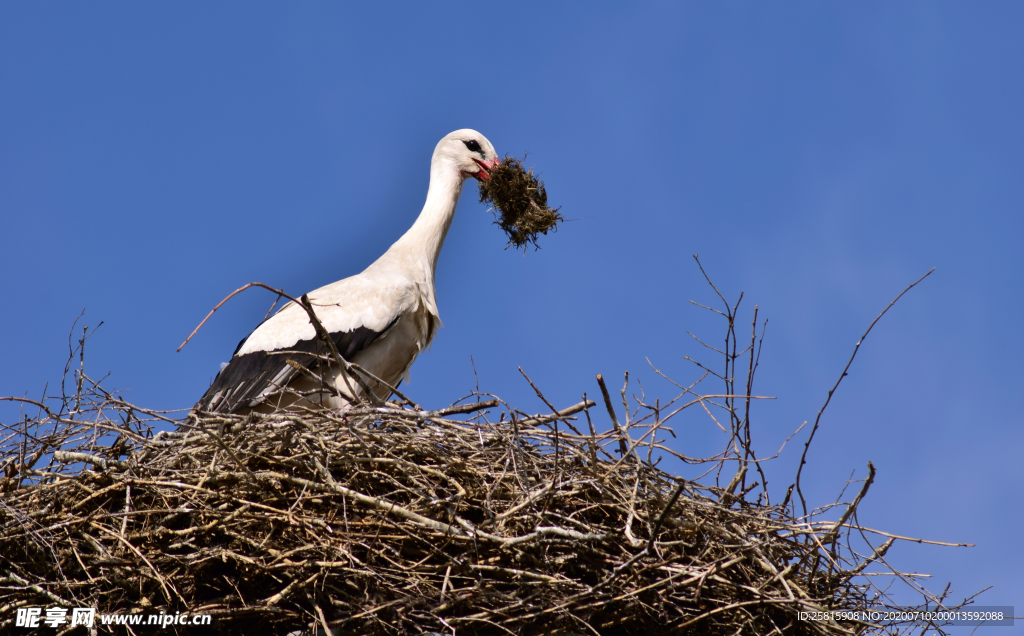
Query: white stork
{"points": [[380, 319]]}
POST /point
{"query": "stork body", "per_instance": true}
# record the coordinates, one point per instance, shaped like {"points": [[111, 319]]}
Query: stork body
{"points": [[380, 319]]}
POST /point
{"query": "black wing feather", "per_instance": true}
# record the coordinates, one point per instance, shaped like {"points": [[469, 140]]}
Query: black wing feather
{"points": [[247, 376]]}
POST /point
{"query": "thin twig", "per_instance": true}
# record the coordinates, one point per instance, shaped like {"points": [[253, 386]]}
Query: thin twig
{"points": [[831, 392]]}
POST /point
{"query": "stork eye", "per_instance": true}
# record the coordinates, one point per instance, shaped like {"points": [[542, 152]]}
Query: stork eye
{"points": [[473, 145]]}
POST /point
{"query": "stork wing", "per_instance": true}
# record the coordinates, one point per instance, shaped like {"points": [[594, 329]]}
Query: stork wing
{"points": [[249, 378], [355, 312]]}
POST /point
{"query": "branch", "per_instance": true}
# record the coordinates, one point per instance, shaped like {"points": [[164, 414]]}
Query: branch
{"points": [[856, 348]]}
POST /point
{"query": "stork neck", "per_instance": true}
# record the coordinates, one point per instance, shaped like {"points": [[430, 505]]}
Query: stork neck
{"points": [[423, 241]]}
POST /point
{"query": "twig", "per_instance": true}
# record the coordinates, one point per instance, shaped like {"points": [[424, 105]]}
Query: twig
{"points": [[623, 449], [856, 348], [280, 293]]}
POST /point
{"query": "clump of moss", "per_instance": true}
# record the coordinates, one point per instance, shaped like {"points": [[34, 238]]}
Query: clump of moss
{"points": [[520, 202]]}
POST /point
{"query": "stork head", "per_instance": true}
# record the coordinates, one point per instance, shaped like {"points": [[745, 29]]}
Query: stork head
{"points": [[468, 152]]}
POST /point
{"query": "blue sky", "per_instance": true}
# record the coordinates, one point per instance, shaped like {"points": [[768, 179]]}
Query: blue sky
{"points": [[818, 156]]}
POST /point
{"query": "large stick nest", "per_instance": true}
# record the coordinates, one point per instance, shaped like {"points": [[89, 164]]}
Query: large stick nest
{"points": [[392, 520]]}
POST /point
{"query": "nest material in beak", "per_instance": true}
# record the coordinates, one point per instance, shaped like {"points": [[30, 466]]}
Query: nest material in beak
{"points": [[521, 202]]}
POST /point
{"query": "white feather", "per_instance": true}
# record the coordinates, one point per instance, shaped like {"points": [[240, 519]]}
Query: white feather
{"points": [[397, 289]]}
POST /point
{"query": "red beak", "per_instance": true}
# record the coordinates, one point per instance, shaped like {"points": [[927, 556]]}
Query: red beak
{"points": [[484, 174]]}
